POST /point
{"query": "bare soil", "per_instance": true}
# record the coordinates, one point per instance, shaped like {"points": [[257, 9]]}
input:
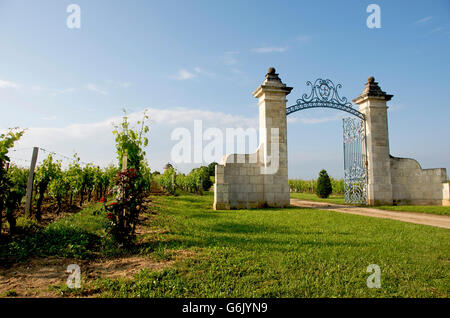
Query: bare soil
{"points": [[37, 277]]}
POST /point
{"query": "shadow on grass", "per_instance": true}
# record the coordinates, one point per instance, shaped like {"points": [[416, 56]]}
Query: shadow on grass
{"points": [[56, 241]]}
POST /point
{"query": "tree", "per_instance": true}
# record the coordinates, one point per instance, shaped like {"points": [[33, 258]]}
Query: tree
{"points": [[212, 169], [205, 179], [323, 188]]}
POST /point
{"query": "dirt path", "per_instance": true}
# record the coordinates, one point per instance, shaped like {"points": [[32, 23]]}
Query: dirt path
{"points": [[37, 277], [411, 217]]}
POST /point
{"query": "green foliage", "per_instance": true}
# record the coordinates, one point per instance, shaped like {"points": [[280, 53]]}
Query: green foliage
{"points": [[131, 183], [44, 173], [167, 180], [323, 189], [59, 186], [309, 186], [197, 181], [78, 236], [27, 226], [10, 193], [204, 176], [75, 177], [131, 140], [7, 141], [18, 178], [123, 213], [303, 186], [212, 169]]}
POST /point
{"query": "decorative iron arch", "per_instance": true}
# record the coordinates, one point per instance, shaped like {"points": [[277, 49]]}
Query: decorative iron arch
{"points": [[324, 94]]}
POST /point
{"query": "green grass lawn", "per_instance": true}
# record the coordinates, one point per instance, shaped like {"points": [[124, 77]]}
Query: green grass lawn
{"points": [[290, 252], [334, 198]]}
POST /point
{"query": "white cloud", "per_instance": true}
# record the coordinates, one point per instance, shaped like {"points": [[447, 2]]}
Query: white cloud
{"points": [[184, 75], [270, 49], [303, 38], [94, 88], [51, 91], [8, 84], [186, 116], [94, 141], [423, 20], [204, 72]]}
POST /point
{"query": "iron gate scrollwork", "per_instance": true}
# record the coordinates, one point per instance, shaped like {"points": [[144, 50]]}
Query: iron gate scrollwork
{"points": [[355, 161], [324, 94]]}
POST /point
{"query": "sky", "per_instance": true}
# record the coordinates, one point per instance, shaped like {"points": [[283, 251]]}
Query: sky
{"points": [[201, 60]]}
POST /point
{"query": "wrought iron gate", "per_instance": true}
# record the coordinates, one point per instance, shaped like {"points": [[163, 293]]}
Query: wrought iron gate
{"points": [[324, 93], [355, 161]]}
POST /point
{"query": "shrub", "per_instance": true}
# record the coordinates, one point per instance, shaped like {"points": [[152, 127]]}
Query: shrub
{"points": [[167, 180], [132, 182], [323, 189]]}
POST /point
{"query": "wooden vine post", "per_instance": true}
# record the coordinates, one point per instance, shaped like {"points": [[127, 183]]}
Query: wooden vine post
{"points": [[29, 195], [124, 161]]}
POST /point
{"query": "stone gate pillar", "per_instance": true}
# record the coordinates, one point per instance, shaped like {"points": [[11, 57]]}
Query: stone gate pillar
{"points": [[273, 135], [372, 103], [261, 179]]}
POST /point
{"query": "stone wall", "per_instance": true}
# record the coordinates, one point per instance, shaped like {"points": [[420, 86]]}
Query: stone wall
{"points": [[413, 185], [394, 180], [239, 185]]}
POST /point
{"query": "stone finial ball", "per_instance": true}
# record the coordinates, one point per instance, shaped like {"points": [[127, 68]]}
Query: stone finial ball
{"points": [[271, 70], [371, 79]]}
